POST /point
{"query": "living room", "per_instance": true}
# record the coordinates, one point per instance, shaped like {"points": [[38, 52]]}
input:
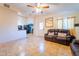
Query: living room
{"points": [[31, 29]]}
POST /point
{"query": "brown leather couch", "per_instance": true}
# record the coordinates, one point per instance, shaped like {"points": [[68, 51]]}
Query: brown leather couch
{"points": [[59, 36], [75, 47]]}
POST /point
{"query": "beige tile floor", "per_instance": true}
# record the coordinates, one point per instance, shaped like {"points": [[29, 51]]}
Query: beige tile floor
{"points": [[34, 46]]}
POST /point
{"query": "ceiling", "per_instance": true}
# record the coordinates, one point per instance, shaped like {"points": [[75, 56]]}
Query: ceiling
{"points": [[54, 8]]}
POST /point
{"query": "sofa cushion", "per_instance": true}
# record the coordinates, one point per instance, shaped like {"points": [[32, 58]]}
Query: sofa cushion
{"points": [[49, 36], [62, 34], [62, 38], [51, 33]]}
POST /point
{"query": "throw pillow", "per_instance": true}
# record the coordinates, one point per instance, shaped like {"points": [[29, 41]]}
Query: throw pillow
{"points": [[62, 34]]}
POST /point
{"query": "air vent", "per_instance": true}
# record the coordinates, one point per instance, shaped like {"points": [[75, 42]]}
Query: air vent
{"points": [[6, 5]]}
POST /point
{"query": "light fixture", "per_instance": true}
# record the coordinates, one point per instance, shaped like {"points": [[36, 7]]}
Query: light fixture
{"points": [[39, 7]]}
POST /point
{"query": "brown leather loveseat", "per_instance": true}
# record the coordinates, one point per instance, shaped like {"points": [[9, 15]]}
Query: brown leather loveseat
{"points": [[61, 36]]}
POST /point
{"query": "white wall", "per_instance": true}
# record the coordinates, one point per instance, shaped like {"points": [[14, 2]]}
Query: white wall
{"points": [[8, 25], [41, 18], [30, 20]]}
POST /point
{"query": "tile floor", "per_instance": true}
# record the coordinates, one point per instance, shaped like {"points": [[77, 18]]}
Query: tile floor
{"points": [[33, 46]]}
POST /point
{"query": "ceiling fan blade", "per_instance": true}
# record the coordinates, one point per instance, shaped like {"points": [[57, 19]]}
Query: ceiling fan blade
{"points": [[44, 6], [38, 7], [30, 6]]}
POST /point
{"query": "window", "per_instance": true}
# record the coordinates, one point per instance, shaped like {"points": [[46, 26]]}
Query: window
{"points": [[70, 22], [60, 23], [67, 23]]}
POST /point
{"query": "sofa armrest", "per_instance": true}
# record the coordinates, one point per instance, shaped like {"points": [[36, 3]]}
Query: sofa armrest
{"points": [[72, 38], [69, 38], [46, 34]]}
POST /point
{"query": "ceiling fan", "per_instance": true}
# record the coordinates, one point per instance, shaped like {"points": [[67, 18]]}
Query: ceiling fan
{"points": [[39, 7]]}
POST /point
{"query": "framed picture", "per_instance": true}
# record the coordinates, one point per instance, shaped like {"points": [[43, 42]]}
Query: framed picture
{"points": [[49, 22]]}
